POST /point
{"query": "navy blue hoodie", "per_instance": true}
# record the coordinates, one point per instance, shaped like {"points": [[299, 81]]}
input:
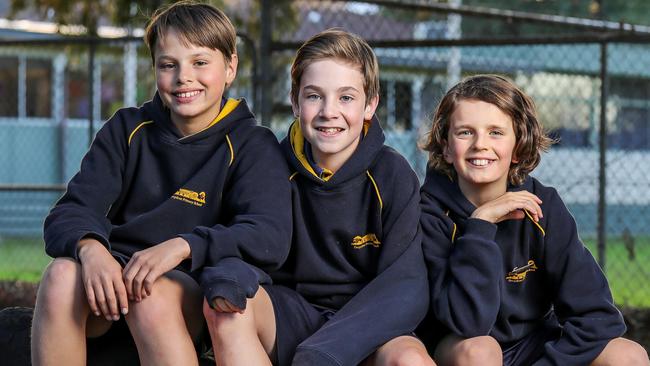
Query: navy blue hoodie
{"points": [[505, 279], [356, 249], [223, 189]]}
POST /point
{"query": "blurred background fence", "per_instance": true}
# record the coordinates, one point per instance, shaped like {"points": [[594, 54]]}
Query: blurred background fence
{"points": [[590, 80]]}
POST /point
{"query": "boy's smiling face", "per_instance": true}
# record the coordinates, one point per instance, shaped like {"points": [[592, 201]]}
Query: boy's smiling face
{"points": [[191, 81], [332, 107], [480, 146]]}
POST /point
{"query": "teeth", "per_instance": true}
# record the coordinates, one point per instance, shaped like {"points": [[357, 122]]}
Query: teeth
{"points": [[479, 162], [187, 94], [329, 130]]}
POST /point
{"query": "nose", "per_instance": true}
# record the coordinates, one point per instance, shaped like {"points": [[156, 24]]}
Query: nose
{"points": [[184, 74], [328, 108], [480, 141]]}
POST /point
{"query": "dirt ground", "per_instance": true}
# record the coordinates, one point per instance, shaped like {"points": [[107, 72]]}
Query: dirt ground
{"points": [[16, 293]]}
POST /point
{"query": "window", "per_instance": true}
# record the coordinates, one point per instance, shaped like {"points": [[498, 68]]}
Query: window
{"points": [[9, 86], [39, 90]]}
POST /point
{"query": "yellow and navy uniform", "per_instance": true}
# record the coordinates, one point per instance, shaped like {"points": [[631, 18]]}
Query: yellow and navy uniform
{"points": [[507, 279], [223, 189], [356, 249]]}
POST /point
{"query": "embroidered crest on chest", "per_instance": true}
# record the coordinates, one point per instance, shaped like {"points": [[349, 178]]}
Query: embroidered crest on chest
{"points": [[518, 274], [359, 242], [189, 196]]}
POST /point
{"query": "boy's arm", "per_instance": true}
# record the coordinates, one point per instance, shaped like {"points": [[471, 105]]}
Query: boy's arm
{"points": [[464, 276], [390, 305], [258, 203], [583, 301], [81, 212]]}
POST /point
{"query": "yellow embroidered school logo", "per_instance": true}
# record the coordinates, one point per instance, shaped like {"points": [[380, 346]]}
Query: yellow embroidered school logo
{"points": [[189, 196], [359, 242], [518, 274]]}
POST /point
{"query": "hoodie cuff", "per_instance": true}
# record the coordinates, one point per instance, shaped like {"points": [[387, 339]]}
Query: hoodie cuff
{"points": [[480, 228], [72, 249], [232, 279], [198, 250]]}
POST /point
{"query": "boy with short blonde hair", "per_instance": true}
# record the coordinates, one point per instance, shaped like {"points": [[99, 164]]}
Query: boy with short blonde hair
{"points": [[354, 286], [165, 189]]}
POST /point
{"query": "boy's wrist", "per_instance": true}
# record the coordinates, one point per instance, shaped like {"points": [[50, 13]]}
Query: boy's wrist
{"points": [[85, 245]]}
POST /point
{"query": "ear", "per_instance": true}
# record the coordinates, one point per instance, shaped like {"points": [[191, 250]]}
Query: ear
{"points": [[371, 106], [295, 107], [231, 69], [446, 153]]}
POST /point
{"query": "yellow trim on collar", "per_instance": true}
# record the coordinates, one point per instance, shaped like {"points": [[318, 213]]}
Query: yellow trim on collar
{"points": [[230, 106], [136, 130], [535, 222], [453, 233], [298, 146], [232, 151], [374, 184]]}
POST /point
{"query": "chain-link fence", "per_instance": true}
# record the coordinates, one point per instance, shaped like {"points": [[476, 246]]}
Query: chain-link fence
{"points": [[591, 86]]}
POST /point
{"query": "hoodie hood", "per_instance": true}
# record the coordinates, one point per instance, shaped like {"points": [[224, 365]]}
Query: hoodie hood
{"points": [[234, 113], [362, 158]]}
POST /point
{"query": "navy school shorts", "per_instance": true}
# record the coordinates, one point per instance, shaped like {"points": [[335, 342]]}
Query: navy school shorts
{"points": [[295, 320], [530, 348]]}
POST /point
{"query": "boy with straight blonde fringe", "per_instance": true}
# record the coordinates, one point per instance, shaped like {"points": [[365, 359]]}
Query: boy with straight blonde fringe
{"points": [[509, 275], [354, 286], [165, 189]]}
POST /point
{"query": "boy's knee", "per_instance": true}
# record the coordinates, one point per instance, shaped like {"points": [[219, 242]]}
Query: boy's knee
{"points": [[621, 351], [411, 356], [58, 284], [483, 350]]}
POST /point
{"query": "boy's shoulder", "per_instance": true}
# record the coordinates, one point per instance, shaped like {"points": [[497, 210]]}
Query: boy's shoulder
{"points": [[390, 162]]}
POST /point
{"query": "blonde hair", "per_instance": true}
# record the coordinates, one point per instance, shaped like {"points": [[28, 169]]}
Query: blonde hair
{"points": [[531, 139], [198, 24], [341, 45]]}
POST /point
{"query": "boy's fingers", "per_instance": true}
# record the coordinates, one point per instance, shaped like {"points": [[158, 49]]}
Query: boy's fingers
{"points": [[128, 275], [122, 298], [138, 282], [90, 295], [101, 300], [111, 300]]}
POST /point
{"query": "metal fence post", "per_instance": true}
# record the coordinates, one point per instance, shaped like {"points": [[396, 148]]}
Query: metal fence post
{"points": [[265, 63], [602, 162], [91, 90]]}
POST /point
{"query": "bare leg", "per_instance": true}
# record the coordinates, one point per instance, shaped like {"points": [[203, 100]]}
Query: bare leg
{"points": [[621, 351], [400, 351], [165, 323], [456, 351], [243, 339], [62, 318]]}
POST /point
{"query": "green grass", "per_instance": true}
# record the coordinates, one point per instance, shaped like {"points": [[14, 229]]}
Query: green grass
{"points": [[22, 259], [25, 259], [628, 278]]}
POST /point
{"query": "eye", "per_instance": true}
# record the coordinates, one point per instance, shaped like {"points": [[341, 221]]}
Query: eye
{"points": [[464, 133], [200, 63], [312, 97], [166, 65], [496, 133], [346, 98]]}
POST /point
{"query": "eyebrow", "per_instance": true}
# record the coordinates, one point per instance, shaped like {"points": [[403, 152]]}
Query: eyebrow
{"points": [[194, 55], [341, 89]]}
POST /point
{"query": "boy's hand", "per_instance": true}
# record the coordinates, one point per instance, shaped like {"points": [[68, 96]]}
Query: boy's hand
{"points": [[224, 306], [102, 279], [147, 265], [510, 206]]}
